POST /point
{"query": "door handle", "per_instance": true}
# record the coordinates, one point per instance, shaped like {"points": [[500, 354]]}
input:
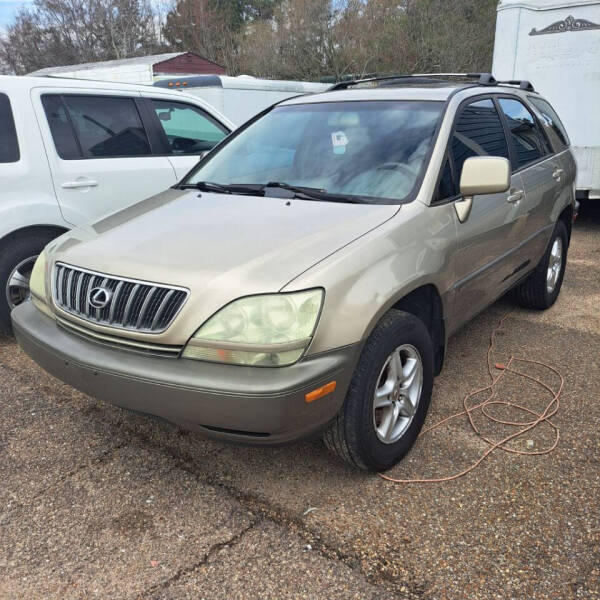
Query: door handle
{"points": [[515, 195], [80, 183], [557, 174]]}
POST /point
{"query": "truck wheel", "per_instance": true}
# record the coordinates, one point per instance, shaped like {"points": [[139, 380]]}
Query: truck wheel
{"points": [[17, 257], [540, 290], [389, 395]]}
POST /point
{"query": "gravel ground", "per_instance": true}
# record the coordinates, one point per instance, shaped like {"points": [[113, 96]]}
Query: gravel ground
{"points": [[98, 502]]}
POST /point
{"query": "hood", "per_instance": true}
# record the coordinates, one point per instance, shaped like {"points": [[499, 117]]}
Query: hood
{"points": [[221, 247]]}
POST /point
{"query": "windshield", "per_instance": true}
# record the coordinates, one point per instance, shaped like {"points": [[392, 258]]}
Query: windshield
{"points": [[373, 150]]}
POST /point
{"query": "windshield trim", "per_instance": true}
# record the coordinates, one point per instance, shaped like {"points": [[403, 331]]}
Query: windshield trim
{"points": [[410, 197]]}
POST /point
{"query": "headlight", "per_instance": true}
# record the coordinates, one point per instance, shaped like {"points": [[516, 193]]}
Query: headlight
{"points": [[37, 280], [267, 330], [37, 284]]}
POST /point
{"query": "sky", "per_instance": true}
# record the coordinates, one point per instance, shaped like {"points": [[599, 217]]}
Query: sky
{"points": [[8, 8]]}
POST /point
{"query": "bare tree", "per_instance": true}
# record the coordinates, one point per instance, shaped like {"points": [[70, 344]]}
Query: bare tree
{"points": [[296, 39], [62, 32]]}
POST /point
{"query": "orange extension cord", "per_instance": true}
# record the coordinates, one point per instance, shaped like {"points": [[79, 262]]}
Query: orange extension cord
{"points": [[524, 426]]}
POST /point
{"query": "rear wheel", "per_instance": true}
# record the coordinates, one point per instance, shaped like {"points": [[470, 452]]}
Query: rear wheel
{"points": [[540, 290], [388, 397], [17, 257]]}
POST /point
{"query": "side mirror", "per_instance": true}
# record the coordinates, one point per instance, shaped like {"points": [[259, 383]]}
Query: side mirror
{"points": [[484, 175], [481, 175]]}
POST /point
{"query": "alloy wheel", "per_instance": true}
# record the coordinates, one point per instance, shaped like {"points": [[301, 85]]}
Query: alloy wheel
{"points": [[397, 393], [554, 264], [17, 288]]}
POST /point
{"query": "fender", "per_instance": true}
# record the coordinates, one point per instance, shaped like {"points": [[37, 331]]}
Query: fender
{"points": [[16, 217]]}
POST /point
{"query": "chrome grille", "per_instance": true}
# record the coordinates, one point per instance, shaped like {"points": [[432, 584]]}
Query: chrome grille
{"points": [[133, 305]]}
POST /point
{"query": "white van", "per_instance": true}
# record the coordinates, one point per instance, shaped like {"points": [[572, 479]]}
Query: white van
{"points": [[557, 46], [241, 97], [73, 150]]}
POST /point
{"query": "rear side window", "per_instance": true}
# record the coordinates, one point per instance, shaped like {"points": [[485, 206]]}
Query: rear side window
{"points": [[60, 127], [107, 126], [9, 145], [189, 129], [527, 138], [96, 126], [550, 118], [478, 132]]}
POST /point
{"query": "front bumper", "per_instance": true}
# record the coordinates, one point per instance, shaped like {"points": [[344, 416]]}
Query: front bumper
{"points": [[250, 404]]}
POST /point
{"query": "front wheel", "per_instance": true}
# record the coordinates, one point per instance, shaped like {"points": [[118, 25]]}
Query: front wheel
{"points": [[17, 258], [388, 397]]}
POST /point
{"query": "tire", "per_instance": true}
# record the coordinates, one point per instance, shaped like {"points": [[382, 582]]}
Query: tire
{"points": [[355, 434], [534, 292], [14, 252]]}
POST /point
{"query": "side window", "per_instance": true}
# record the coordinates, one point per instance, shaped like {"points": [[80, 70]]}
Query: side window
{"points": [[527, 138], [107, 126], [550, 118], [446, 187], [478, 132], [9, 145], [60, 127], [189, 129]]}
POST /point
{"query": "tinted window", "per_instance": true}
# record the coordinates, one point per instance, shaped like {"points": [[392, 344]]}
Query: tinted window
{"points": [[527, 138], [478, 132], [60, 127], [372, 149], [9, 146], [551, 119], [107, 126], [446, 187], [189, 130]]}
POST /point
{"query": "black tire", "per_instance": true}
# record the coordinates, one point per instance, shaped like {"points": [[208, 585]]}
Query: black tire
{"points": [[13, 252], [533, 292], [352, 435]]}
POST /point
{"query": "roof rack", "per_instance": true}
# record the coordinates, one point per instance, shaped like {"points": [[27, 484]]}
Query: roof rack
{"points": [[486, 79]]}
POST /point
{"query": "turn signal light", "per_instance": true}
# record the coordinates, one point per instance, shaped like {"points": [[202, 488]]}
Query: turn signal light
{"points": [[320, 392]]}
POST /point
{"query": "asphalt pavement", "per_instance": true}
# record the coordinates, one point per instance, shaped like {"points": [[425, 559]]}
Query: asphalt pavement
{"points": [[96, 502]]}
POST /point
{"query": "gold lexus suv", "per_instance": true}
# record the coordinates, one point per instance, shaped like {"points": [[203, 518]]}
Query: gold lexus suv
{"points": [[305, 276]]}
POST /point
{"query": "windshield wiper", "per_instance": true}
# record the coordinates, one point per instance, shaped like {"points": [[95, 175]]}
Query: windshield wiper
{"points": [[258, 189], [310, 193], [222, 188]]}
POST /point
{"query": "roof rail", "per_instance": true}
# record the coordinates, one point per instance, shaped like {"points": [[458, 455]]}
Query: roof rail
{"points": [[486, 79]]}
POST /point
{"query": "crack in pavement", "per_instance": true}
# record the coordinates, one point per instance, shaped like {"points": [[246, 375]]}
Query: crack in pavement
{"points": [[276, 515], [214, 549]]}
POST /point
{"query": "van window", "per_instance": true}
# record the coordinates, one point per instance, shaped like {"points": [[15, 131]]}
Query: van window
{"points": [[527, 137], [107, 126], [9, 145], [478, 132], [550, 118], [60, 127], [189, 129]]}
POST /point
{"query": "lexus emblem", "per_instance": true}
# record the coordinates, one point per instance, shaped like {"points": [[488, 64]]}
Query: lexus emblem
{"points": [[99, 297]]}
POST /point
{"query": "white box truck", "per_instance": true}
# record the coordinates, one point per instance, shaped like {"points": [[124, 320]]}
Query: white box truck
{"points": [[555, 44]]}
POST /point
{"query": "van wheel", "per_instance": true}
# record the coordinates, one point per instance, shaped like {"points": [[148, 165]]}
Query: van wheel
{"points": [[540, 290], [17, 257], [388, 397]]}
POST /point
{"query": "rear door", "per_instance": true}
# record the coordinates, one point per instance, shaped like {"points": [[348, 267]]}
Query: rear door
{"points": [[484, 262], [533, 159], [101, 152], [187, 130]]}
